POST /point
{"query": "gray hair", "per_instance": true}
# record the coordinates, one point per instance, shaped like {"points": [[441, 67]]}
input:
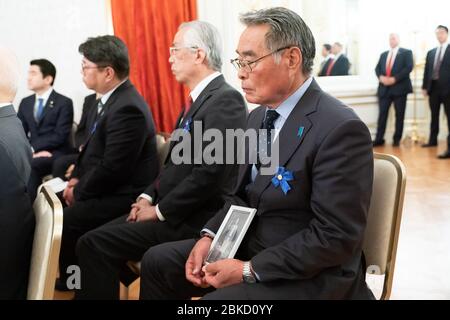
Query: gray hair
{"points": [[205, 36], [286, 29], [9, 72]]}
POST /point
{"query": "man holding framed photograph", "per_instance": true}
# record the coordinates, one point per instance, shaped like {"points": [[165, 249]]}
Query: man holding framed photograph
{"points": [[306, 239]]}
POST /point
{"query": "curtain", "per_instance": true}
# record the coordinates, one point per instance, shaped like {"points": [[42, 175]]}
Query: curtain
{"points": [[148, 27]]}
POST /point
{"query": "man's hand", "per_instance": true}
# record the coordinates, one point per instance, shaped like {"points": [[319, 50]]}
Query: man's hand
{"points": [[147, 213], [425, 93], [135, 207], [68, 192], [42, 154], [194, 263], [224, 273], [69, 171]]}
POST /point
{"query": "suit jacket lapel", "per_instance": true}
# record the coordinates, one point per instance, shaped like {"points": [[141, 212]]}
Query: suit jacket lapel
{"points": [[289, 138]]}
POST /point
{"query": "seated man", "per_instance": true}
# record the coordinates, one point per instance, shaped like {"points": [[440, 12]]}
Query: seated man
{"points": [[63, 166], [119, 157], [306, 238], [185, 195], [16, 214], [47, 118]]}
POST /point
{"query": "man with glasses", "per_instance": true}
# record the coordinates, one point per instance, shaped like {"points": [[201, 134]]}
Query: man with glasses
{"points": [[119, 157], [305, 241], [185, 195]]}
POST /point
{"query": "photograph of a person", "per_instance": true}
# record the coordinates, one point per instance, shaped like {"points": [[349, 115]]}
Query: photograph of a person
{"points": [[230, 234]]}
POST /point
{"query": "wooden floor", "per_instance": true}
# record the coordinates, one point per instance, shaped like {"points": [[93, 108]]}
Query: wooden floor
{"points": [[423, 257]]}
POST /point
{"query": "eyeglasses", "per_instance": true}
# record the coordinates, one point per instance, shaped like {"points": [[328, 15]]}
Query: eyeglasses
{"points": [[246, 65], [172, 50], [84, 67]]}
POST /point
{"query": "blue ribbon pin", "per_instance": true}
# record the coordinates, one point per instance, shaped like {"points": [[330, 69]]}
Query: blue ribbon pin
{"points": [[300, 131], [281, 178], [187, 125]]}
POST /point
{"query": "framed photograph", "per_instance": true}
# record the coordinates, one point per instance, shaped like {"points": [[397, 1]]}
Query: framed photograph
{"points": [[230, 234]]}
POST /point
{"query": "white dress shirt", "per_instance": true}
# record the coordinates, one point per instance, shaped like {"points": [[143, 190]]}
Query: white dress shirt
{"points": [[44, 97]]}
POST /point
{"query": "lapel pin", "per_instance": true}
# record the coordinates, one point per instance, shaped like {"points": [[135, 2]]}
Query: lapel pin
{"points": [[300, 131]]}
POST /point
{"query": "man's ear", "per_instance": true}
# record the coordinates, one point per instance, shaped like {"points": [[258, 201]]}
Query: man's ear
{"points": [[110, 73], [48, 80], [295, 57], [201, 56]]}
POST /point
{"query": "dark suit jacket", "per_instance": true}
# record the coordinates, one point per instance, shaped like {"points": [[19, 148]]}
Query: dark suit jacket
{"points": [[311, 238], [88, 117], [120, 156], [401, 69], [16, 215], [340, 67], [192, 193], [444, 72], [52, 133], [323, 68]]}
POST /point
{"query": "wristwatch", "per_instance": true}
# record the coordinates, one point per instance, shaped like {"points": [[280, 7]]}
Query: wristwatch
{"points": [[247, 274]]}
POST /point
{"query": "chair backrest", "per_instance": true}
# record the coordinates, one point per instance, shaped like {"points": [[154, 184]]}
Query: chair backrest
{"points": [[385, 213], [162, 147], [46, 245]]}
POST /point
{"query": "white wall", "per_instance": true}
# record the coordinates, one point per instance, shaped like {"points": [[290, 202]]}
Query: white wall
{"points": [[53, 29]]}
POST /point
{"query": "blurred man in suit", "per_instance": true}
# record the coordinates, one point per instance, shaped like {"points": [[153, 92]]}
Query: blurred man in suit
{"points": [[16, 215], [119, 157], [339, 64], [436, 86], [392, 70], [63, 166], [304, 243], [47, 118], [185, 195], [327, 55]]}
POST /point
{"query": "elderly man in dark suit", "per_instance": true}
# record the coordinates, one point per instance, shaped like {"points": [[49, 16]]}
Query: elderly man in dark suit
{"points": [[186, 194], [306, 239], [16, 215], [47, 118], [119, 157], [436, 86], [392, 70]]}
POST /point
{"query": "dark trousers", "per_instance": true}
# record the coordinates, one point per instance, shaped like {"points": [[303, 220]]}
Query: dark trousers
{"points": [[103, 253], [163, 277], [61, 165], [400, 107], [40, 167], [436, 98], [84, 216]]}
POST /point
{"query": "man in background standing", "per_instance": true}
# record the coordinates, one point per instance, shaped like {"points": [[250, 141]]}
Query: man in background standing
{"points": [[436, 86], [392, 70]]}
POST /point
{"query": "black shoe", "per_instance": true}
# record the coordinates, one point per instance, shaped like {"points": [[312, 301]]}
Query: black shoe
{"points": [[396, 143], [377, 143], [429, 145], [61, 285], [445, 155]]}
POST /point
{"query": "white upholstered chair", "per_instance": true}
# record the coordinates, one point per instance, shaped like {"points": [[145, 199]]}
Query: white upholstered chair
{"points": [[385, 214], [46, 245]]}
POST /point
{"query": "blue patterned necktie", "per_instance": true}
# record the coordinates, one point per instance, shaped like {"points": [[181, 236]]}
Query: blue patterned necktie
{"points": [[265, 148], [40, 109]]}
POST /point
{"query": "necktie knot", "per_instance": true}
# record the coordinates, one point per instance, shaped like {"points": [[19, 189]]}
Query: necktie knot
{"points": [[99, 107]]}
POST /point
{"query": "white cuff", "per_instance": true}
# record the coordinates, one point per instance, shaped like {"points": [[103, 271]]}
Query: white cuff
{"points": [[146, 197], [207, 231], [159, 214]]}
